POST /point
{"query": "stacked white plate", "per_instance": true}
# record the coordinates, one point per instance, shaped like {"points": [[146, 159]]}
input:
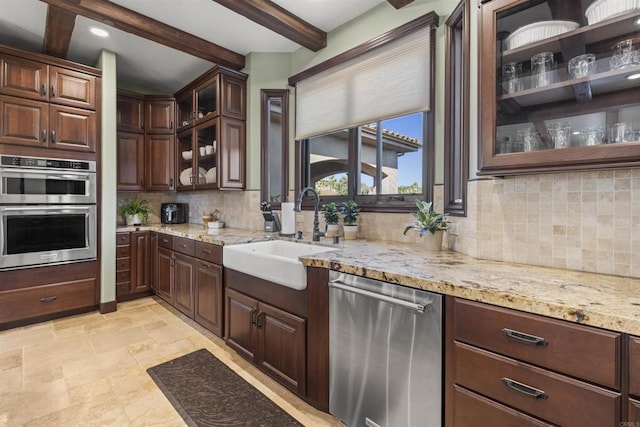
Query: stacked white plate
{"points": [[538, 31], [600, 10], [211, 175], [185, 176]]}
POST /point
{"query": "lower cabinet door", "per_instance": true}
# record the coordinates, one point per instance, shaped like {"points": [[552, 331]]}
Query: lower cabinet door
{"points": [[208, 309], [164, 276], [283, 347], [184, 279], [634, 412], [140, 274], [473, 410], [240, 331]]}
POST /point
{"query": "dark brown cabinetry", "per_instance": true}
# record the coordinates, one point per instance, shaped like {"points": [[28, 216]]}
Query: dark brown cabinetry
{"points": [[211, 131], [146, 142], [556, 117], [271, 338], [189, 277], [47, 103], [42, 293], [634, 380], [133, 273], [516, 366]]}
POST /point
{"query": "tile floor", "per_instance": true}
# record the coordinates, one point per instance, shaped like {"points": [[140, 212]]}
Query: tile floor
{"points": [[90, 369]]}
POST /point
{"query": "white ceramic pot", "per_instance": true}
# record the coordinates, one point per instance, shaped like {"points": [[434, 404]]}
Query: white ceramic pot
{"points": [[350, 232], [133, 219], [332, 230], [433, 242]]}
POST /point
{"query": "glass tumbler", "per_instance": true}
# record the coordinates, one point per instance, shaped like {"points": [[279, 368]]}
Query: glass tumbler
{"points": [[560, 134], [542, 68], [582, 66], [626, 53], [621, 132], [593, 135], [511, 77], [530, 139]]}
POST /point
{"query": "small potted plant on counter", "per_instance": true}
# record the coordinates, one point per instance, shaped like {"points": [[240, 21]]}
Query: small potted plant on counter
{"points": [[429, 224], [350, 212], [135, 212], [331, 218]]}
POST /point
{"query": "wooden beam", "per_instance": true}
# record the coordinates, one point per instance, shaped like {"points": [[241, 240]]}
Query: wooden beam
{"points": [[58, 31], [399, 3], [135, 23], [274, 17]]}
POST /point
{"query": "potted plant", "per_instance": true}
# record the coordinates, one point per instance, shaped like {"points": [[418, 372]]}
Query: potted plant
{"points": [[331, 218], [350, 212], [135, 212], [429, 224]]}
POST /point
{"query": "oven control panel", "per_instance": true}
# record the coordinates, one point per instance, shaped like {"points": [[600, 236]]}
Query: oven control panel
{"points": [[39, 162]]}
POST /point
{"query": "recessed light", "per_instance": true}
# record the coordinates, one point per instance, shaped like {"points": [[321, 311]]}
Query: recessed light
{"points": [[634, 76], [638, 21], [99, 32]]}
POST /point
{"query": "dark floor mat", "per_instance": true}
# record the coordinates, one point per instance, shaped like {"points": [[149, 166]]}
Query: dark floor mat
{"points": [[208, 393]]}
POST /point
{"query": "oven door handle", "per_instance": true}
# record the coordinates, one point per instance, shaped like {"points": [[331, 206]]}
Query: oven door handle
{"points": [[44, 208], [19, 173]]}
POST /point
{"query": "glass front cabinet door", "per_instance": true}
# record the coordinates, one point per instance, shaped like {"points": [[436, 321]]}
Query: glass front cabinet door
{"points": [[559, 85]]}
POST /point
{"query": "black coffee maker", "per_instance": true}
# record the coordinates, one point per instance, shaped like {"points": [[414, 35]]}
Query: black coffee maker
{"points": [[174, 213]]}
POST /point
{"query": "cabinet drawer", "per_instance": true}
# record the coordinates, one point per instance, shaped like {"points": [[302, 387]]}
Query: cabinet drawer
{"points": [[634, 366], [40, 300], [561, 400], [473, 410], [123, 276], [123, 238], [123, 288], [122, 264], [184, 246], [123, 251], [512, 333], [165, 241], [209, 252]]}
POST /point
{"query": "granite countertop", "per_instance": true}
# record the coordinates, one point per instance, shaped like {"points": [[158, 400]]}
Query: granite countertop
{"points": [[609, 302]]}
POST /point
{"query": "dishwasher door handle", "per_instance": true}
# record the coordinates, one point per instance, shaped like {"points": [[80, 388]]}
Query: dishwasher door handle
{"points": [[420, 308]]}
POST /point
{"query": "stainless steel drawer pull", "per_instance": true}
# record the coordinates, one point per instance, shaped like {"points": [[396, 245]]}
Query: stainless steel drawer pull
{"points": [[206, 251], [525, 338], [48, 299], [525, 389]]}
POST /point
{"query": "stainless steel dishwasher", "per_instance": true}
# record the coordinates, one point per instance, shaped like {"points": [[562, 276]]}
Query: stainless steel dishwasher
{"points": [[385, 353]]}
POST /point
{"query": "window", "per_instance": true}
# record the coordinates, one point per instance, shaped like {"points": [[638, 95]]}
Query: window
{"points": [[456, 139], [364, 128]]}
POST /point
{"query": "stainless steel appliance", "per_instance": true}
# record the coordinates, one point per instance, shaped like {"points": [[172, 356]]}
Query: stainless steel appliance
{"points": [[385, 353], [47, 211], [43, 234], [27, 180], [173, 213]]}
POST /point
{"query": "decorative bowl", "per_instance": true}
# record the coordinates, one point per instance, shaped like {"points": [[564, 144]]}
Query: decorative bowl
{"points": [[600, 10], [538, 31]]}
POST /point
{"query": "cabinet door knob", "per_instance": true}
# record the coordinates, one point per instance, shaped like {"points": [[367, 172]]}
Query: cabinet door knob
{"points": [[206, 251], [525, 389], [171, 124], [259, 319], [48, 299], [43, 90], [53, 91], [53, 136], [170, 182], [253, 314], [44, 136], [524, 338]]}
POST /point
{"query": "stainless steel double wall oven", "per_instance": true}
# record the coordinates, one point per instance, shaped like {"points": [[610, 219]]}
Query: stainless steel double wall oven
{"points": [[47, 211]]}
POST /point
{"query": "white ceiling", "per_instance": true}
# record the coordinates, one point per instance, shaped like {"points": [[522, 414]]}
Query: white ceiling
{"points": [[149, 65]]}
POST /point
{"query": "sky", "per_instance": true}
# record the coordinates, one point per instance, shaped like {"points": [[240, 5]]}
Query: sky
{"points": [[410, 165]]}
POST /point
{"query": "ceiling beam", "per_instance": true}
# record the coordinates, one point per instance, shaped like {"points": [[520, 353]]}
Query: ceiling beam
{"points": [[134, 23], [399, 3], [277, 19], [58, 31]]}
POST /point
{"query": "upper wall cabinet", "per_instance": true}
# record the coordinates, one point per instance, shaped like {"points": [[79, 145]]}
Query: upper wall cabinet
{"points": [[47, 103], [211, 135], [559, 85]]}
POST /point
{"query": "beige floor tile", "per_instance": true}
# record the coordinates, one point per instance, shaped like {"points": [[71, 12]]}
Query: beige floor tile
{"points": [[34, 402], [20, 337], [152, 408], [109, 340], [96, 367]]}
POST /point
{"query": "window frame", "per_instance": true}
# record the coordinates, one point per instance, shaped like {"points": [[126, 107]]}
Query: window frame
{"points": [[374, 203], [265, 96], [456, 120]]}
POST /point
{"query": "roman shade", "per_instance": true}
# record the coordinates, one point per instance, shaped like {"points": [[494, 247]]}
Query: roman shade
{"points": [[388, 81]]}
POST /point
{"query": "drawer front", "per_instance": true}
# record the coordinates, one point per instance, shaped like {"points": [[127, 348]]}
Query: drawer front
{"points": [[209, 252], [123, 251], [123, 276], [555, 398], [184, 246], [122, 264], [474, 410], [123, 238], [165, 241], [40, 300], [634, 366], [512, 334]]}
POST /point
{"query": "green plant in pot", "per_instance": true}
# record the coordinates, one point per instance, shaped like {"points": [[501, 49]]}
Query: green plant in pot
{"points": [[331, 218], [135, 211], [429, 224], [350, 212]]}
